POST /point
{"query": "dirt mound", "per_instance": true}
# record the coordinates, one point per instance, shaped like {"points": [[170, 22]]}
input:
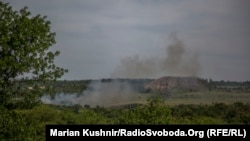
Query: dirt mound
{"points": [[168, 83]]}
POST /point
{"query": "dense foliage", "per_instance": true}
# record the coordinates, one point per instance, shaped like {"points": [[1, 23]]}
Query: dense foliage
{"points": [[25, 41], [29, 124], [26, 62]]}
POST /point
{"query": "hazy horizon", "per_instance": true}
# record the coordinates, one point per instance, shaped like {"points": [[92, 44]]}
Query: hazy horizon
{"points": [[133, 38]]}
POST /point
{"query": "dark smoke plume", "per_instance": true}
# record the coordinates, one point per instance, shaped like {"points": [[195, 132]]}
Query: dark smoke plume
{"points": [[174, 62]]}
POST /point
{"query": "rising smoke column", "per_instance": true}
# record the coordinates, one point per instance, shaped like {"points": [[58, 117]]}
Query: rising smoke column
{"points": [[175, 62], [135, 67], [172, 62]]}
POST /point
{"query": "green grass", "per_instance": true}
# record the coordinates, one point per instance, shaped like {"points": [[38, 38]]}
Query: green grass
{"points": [[191, 97], [207, 97]]}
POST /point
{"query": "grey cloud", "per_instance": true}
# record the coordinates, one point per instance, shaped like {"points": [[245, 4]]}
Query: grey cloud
{"points": [[94, 36]]}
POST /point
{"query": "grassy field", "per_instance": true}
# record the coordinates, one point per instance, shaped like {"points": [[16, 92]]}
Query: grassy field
{"points": [[191, 97], [208, 97]]}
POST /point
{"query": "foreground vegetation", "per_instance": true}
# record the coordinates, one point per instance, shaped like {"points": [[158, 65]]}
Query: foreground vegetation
{"points": [[27, 71], [29, 124]]}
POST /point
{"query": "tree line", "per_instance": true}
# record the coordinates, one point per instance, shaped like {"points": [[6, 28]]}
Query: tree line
{"points": [[29, 124]]}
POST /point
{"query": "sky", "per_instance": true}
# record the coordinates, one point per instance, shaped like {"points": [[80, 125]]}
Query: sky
{"points": [[148, 38]]}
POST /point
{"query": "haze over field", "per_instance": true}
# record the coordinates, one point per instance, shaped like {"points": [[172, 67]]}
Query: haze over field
{"points": [[135, 38], [97, 93]]}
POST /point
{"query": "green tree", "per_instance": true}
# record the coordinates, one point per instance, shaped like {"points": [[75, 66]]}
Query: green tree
{"points": [[25, 54]]}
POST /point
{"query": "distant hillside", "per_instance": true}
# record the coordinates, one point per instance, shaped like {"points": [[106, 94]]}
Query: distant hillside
{"points": [[166, 83]]}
